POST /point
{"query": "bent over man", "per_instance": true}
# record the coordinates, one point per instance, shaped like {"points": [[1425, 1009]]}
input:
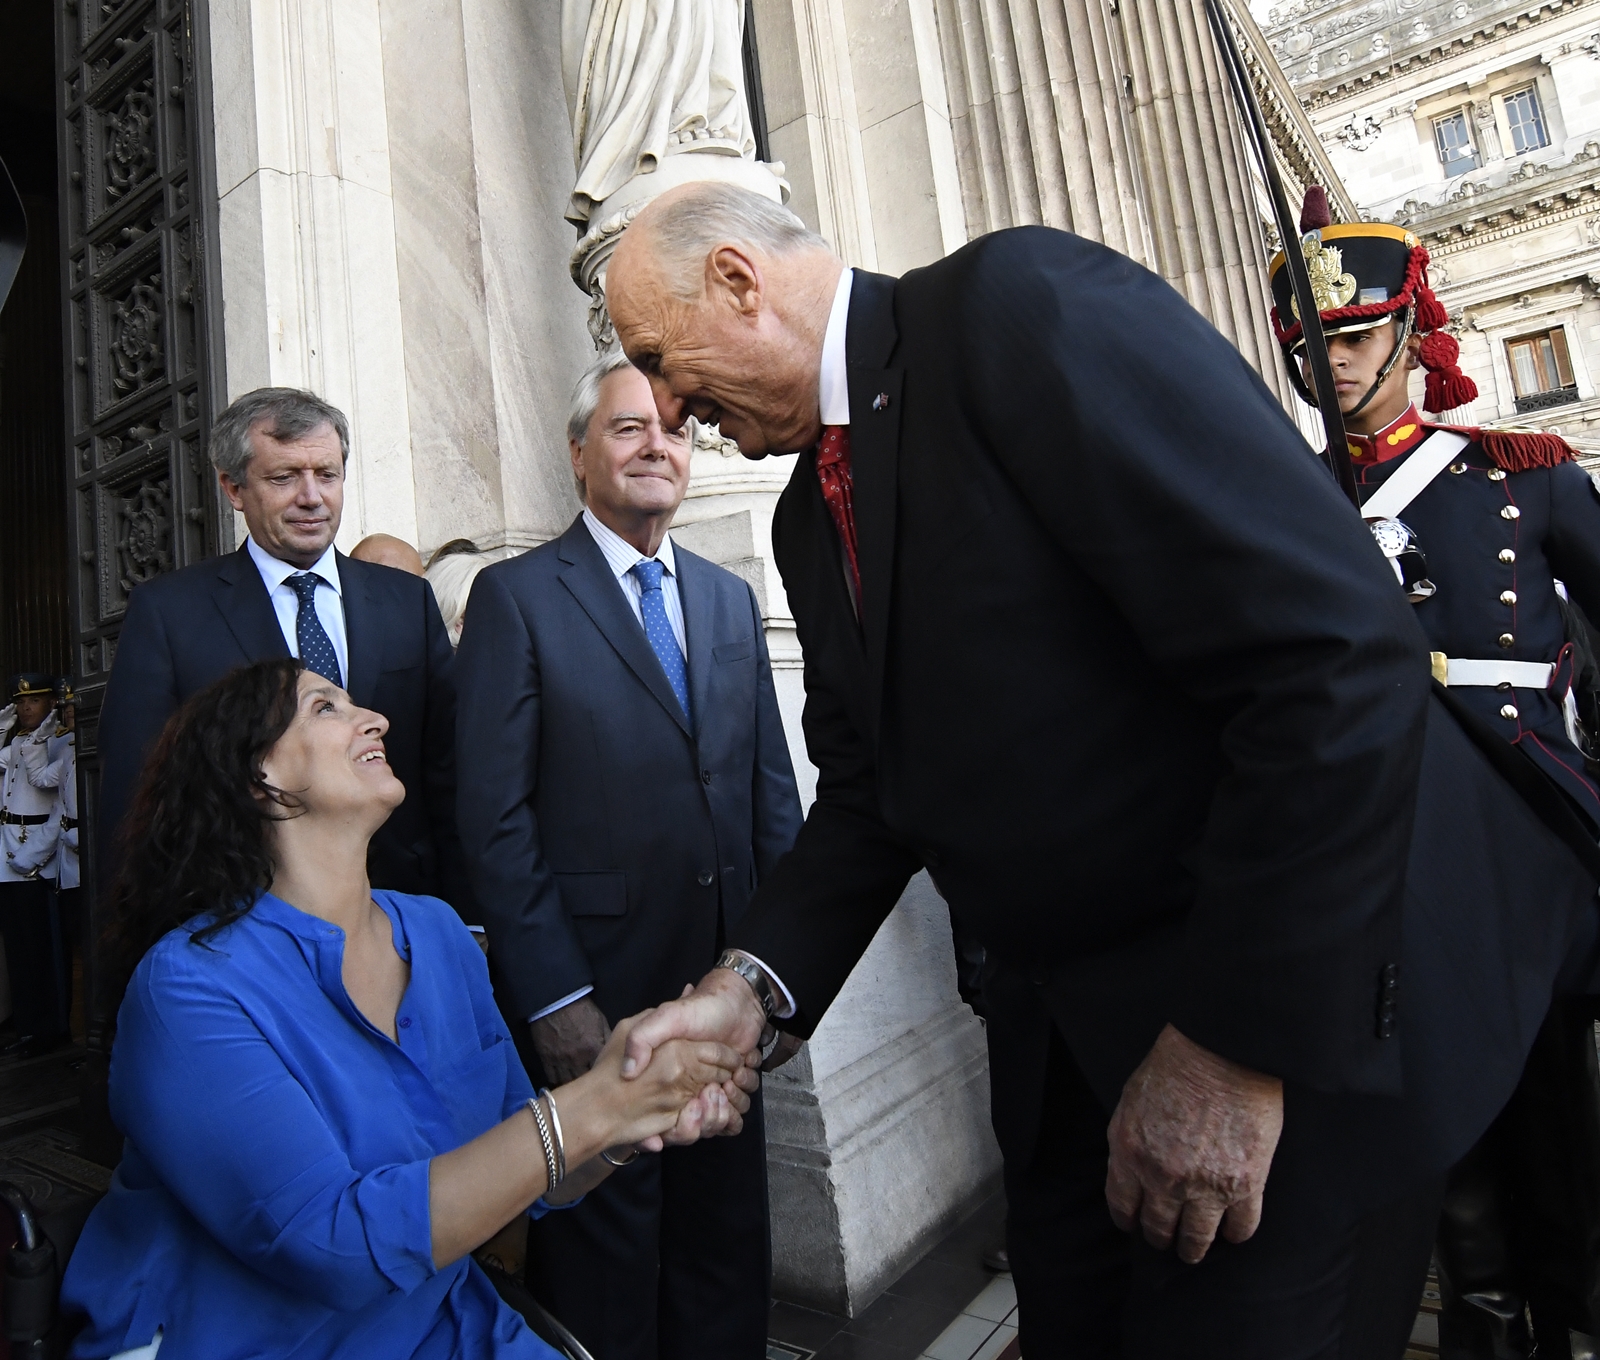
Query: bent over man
{"points": [[1090, 635]]}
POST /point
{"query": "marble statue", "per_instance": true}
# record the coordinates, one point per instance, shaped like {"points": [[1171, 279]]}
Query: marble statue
{"points": [[647, 79]]}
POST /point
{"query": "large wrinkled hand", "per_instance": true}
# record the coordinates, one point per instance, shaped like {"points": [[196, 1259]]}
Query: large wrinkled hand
{"points": [[8, 715], [722, 1008], [1191, 1144]]}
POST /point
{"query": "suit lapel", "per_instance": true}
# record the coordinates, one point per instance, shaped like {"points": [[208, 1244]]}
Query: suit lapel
{"points": [[362, 636], [241, 598], [695, 594], [875, 404], [589, 578]]}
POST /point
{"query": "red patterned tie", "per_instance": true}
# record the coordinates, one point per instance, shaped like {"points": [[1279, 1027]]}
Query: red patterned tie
{"points": [[833, 471]]}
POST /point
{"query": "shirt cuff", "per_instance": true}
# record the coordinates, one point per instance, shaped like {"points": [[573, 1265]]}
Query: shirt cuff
{"points": [[787, 1009], [554, 1006]]}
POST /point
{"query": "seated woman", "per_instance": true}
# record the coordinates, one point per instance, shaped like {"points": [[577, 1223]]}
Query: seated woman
{"points": [[324, 1111]]}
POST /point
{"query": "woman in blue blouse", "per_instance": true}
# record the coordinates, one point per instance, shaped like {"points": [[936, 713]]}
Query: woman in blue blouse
{"points": [[324, 1111]]}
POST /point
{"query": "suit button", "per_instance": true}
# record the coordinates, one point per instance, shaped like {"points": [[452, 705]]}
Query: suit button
{"points": [[1508, 710], [705, 878], [1506, 555], [1510, 512], [1508, 597], [705, 776], [1506, 639]]}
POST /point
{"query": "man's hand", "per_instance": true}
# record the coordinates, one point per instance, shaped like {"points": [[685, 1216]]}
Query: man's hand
{"points": [[1191, 1144], [570, 1039], [722, 1008]]}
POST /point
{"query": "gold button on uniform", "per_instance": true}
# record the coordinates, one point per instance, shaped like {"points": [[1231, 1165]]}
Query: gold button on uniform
{"points": [[1508, 710], [1506, 555], [1497, 475], [1510, 512], [1506, 639], [1458, 468], [1508, 597]]}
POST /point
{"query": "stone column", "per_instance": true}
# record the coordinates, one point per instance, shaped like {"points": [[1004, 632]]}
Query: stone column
{"points": [[307, 231]]}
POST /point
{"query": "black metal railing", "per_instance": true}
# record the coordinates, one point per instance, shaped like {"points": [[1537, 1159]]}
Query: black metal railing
{"points": [[1543, 401]]}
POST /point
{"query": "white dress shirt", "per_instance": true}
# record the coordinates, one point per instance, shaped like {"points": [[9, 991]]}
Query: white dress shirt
{"points": [[286, 604], [621, 556], [834, 389]]}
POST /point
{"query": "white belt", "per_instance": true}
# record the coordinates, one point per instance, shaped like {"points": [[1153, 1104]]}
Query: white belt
{"points": [[1452, 670]]}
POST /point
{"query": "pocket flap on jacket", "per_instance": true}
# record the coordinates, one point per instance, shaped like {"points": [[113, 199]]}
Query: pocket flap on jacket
{"points": [[594, 894], [735, 651]]}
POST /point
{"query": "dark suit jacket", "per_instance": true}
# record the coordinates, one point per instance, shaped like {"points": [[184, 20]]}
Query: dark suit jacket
{"points": [[608, 843], [192, 627], [1132, 680]]}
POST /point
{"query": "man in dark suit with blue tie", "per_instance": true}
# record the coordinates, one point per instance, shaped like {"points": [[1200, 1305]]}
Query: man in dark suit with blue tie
{"points": [[280, 456], [625, 785]]}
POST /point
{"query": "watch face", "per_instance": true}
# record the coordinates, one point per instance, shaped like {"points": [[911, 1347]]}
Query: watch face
{"points": [[1393, 537]]}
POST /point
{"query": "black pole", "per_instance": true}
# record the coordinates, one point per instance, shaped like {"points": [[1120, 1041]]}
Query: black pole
{"points": [[1338, 450]]}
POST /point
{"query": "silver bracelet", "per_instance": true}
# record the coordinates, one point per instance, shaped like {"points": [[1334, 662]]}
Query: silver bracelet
{"points": [[561, 1142], [629, 1160], [552, 1170]]}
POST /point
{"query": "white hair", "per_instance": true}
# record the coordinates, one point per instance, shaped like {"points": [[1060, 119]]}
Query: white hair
{"points": [[451, 578], [686, 230], [586, 395]]}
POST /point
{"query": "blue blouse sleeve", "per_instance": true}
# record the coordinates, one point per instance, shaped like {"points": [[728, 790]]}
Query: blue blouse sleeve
{"points": [[208, 1102]]}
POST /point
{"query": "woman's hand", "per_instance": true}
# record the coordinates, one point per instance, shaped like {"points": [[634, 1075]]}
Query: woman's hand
{"points": [[622, 1112]]}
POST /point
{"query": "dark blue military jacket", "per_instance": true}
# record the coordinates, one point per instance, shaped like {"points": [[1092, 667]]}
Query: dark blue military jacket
{"points": [[1496, 541]]}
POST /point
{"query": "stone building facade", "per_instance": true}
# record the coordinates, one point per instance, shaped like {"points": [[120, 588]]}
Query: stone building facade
{"points": [[380, 200], [1476, 123]]}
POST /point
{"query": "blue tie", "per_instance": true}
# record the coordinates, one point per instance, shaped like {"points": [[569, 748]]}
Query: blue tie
{"points": [[316, 649], [653, 610]]}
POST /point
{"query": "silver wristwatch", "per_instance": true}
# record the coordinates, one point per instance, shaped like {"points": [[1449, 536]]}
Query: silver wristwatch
{"points": [[753, 973]]}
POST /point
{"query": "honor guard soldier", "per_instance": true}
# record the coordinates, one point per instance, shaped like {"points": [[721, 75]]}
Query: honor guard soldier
{"points": [[1483, 528], [29, 827], [54, 766]]}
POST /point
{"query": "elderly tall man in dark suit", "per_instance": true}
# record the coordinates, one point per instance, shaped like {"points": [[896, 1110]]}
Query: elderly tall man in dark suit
{"points": [[280, 455], [1090, 635], [625, 786]]}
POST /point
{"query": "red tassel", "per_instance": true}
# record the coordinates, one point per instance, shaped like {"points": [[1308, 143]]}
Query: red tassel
{"points": [[1314, 212], [1515, 451], [1431, 315], [1447, 388], [1439, 350]]}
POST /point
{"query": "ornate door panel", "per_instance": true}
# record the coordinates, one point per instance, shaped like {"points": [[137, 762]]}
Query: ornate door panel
{"points": [[135, 195]]}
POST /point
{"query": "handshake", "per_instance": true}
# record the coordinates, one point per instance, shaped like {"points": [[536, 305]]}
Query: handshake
{"points": [[700, 1034]]}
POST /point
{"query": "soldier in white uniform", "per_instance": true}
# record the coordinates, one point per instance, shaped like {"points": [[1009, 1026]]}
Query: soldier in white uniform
{"points": [[29, 829], [54, 765]]}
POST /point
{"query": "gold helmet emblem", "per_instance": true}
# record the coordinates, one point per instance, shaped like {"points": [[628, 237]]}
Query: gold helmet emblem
{"points": [[1331, 287]]}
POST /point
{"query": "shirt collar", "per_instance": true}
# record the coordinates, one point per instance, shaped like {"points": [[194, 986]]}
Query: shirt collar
{"points": [[621, 556], [1399, 436], [834, 387], [275, 572]]}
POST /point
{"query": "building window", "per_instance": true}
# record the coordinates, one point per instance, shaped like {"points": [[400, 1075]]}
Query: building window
{"points": [[1527, 121], [1454, 139], [1541, 370]]}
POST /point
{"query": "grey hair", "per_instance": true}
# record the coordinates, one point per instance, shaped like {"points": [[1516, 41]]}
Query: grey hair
{"points": [[288, 414], [586, 395], [451, 577], [687, 229]]}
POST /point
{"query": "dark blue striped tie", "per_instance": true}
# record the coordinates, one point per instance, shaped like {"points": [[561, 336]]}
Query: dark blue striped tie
{"points": [[316, 647], [653, 612]]}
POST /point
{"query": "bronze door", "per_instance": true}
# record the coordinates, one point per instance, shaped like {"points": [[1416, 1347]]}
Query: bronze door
{"points": [[141, 374]]}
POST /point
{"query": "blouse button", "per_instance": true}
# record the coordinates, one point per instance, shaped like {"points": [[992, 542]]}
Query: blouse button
{"points": [[405, 1022]]}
